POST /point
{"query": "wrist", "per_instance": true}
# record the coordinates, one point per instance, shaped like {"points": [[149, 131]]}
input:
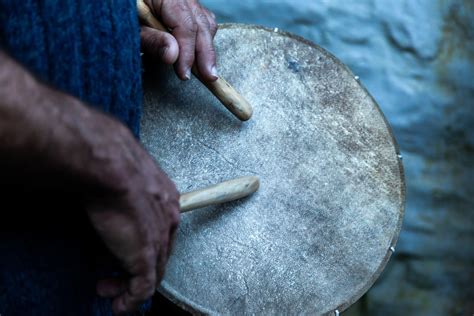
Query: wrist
{"points": [[95, 148]]}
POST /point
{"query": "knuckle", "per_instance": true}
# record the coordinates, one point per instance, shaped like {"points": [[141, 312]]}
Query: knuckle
{"points": [[190, 25], [203, 20], [213, 24], [173, 194], [171, 197], [186, 18], [213, 27]]}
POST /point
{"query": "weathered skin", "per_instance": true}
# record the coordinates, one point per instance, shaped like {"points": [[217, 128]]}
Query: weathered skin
{"points": [[317, 234]]}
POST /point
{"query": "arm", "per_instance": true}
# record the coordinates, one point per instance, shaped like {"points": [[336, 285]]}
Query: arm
{"points": [[131, 203], [54, 130]]}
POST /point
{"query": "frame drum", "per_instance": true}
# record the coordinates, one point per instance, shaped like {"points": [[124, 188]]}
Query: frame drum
{"points": [[321, 228]]}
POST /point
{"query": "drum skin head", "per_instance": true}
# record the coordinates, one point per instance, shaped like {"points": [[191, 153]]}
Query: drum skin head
{"points": [[318, 233]]}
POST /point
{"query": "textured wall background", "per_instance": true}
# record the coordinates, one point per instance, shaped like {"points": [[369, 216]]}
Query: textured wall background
{"points": [[416, 57]]}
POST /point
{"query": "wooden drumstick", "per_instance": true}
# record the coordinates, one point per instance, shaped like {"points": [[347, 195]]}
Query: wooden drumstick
{"points": [[220, 193], [228, 96]]}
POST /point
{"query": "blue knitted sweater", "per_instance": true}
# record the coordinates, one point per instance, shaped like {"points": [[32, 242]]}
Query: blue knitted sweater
{"points": [[87, 48], [90, 49]]}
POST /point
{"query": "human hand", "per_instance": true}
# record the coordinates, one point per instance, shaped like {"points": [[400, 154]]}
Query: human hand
{"points": [[137, 220], [130, 201], [192, 27]]}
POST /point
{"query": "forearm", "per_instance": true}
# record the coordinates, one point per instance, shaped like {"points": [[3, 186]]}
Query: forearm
{"points": [[47, 133]]}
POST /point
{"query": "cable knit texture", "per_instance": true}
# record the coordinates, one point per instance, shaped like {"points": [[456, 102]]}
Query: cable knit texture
{"points": [[90, 49]]}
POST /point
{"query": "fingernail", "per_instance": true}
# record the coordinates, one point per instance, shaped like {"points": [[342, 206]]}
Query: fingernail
{"points": [[214, 71], [187, 76]]}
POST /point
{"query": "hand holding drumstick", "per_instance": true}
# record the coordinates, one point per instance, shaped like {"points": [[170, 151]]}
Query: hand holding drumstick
{"points": [[190, 42]]}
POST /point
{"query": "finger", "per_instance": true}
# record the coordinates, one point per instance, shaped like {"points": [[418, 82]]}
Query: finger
{"points": [[184, 29], [211, 18], [174, 219], [205, 53], [111, 287], [171, 235], [142, 283], [161, 261], [162, 243], [140, 289], [172, 240], [160, 45]]}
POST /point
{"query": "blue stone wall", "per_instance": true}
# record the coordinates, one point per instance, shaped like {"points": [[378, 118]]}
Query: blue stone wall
{"points": [[416, 57]]}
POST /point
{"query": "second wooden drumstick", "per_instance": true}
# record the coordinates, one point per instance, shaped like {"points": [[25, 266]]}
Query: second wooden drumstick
{"points": [[228, 96], [220, 193]]}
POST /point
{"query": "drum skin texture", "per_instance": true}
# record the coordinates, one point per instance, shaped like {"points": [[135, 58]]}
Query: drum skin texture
{"points": [[318, 233]]}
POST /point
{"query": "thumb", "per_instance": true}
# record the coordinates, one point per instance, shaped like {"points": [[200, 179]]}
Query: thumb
{"points": [[159, 45]]}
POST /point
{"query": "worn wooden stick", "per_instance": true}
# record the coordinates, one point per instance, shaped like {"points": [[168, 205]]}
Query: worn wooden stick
{"points": [[228, 96], [220, 193]]}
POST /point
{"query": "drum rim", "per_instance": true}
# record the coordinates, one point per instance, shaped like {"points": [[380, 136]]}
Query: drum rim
{"points": [[197, 309]]}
